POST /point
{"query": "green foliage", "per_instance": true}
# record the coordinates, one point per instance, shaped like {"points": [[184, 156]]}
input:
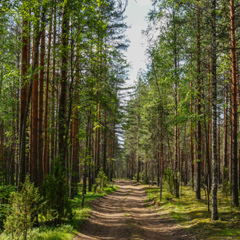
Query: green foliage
{"points": [[101, 181], [56, 195], [25, 206], [168, 178], [66, 231], [193, 214], [5, 194], [226, 187], [63, 232], [144, 177]]}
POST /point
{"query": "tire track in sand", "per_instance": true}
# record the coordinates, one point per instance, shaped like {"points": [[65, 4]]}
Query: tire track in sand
{"points": [[122, 215]]}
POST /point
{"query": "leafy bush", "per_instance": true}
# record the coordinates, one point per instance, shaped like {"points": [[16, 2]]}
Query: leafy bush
{"points": [[168, 178], [56, 196], [25, 206], [5, 194], [140, 176], [101, 182]]}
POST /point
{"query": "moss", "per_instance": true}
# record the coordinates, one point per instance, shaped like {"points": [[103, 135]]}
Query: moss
{"points": [[193, 214]]}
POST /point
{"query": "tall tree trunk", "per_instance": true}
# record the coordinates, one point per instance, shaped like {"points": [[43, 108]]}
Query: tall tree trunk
{"points": [[225, 136], [98, 139], [53, 89], [234, 82], [63, 87], [23, 101], [219, 153], [1, 144], [176, 183], [105, 143], [75, 161], [214, 115], [40, 117], [199, 128], [46, 136], [191, 143], [95, 149], [34, 110], [90, 182]]}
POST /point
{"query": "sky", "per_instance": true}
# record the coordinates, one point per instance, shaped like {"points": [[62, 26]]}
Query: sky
{"points": [[136, 13]]}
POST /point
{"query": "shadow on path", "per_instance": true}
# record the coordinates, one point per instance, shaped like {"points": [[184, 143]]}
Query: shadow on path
{"points": [[122, 215]]}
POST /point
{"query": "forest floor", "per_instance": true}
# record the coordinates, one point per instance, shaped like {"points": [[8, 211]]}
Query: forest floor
{"points": [[124, 214], [193, 215]]}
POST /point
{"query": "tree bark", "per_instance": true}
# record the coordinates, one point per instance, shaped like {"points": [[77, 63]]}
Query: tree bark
{"points": [[46, 136], [63, 87], [34, 110], [225, 136], [40, 116], [234, 82], [199, 127], [53, 90], [214, 115], [23, 102]]}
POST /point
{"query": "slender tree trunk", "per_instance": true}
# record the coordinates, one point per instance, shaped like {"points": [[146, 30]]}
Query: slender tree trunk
{"points": [[1, 144], [234, 82], [176, 183], [23, 101], [191, 143], [218, 154], [84, 188], [225, 136], [214, 115], [95, 149], [199, 127], [40, 116], [34, 125], [231, 142], [90, 182], [53, 88], [63, 87], [105, 143], [46, 136], [161, 164], [98, 140], [75, 161]]}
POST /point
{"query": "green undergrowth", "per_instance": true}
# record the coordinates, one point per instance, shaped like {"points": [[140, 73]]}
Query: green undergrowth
{"points": [[193, 214], [82, 214], [68, 230]]}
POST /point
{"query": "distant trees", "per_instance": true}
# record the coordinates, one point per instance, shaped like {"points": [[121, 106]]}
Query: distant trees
{"points": [[184, 109]]}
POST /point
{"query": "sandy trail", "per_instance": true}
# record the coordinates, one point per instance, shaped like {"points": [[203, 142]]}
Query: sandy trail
{"points": [[122, 215]]}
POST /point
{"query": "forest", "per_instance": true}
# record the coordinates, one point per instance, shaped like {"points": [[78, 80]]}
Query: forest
{"points": [[76, 140]]}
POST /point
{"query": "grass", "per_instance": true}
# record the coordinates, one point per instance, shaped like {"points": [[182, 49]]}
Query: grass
{"points": [[83, 213], [68, 230], [193, 214]]}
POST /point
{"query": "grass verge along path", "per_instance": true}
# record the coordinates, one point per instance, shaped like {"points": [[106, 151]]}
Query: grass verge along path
{"points": [[68, 230], [193, 214]]}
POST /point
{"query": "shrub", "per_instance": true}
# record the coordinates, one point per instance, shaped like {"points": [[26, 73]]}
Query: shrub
{"points": [[5, 194], [56, 196], [25, 206], [101, 181], [168, 178]]}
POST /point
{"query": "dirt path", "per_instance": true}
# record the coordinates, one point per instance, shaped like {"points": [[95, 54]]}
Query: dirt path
{"points": [[123, 215]]}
